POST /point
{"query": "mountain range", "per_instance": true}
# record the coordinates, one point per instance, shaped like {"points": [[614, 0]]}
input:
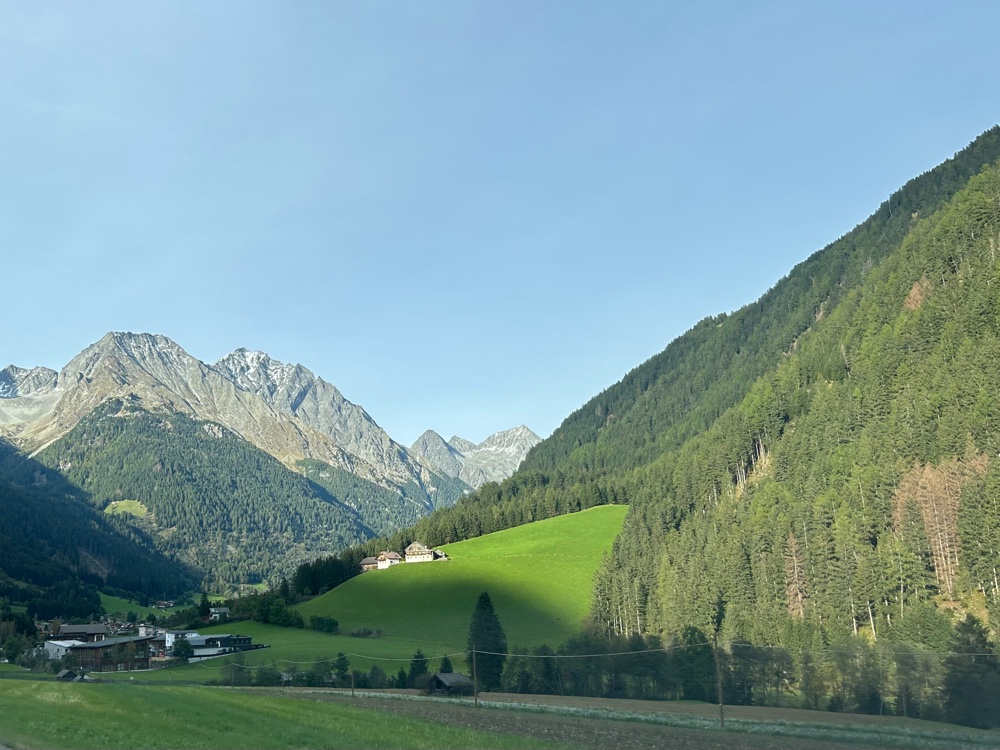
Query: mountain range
{"points": [[349, 463]]}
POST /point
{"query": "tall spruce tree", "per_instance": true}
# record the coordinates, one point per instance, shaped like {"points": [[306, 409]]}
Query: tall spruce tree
{"points": [[487, 640], [972, 680]]}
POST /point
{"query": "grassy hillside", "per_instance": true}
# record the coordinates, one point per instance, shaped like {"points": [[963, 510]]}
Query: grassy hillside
{"points": [[540, 577]]}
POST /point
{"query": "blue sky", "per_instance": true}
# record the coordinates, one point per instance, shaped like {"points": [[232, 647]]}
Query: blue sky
{"points": [[465, 215]]}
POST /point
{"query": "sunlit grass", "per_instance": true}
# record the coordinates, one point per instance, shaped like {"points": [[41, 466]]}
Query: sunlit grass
{"points": [[539, 576], [77, 715]]}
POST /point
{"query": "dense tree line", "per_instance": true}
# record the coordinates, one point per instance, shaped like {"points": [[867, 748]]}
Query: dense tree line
{"points": [[852, 674], [214, 501], [857, 473]]}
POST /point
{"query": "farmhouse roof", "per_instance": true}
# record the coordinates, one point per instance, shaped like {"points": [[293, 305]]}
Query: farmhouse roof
{"points": [[389, 555], [94, 628], [369, 561], [416, 548], [452, 679], [110, 642]]}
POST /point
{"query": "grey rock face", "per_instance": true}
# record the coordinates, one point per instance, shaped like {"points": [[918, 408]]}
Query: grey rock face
{"points": [[295, 391], [16, 381], [492, 460], [434, 450]]}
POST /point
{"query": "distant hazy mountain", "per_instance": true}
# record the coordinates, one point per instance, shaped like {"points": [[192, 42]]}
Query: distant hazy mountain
{"points": [[492, 460]]}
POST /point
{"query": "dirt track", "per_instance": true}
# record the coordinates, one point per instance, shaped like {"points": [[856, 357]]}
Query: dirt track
{"points": [[581, 732]]}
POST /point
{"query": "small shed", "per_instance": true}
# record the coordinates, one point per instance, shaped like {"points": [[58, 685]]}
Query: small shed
{"points": [[449, 683], [68, 675]]}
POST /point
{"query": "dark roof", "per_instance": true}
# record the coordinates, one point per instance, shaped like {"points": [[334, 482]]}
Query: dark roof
{"points": [[369, 561], [108, 642], [90, 629], [67, 674], [452, 679]]}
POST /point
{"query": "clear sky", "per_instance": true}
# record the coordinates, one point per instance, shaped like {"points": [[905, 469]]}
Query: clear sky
{"points": [[465, 215]]}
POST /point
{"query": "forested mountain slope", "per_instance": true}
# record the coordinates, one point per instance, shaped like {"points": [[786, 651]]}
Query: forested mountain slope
{"points": [[54, 548], [856, 485], [682, 390], [680, 393], [202, 494]]}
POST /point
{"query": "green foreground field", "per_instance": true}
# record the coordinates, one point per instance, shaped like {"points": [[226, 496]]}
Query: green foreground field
{"points": [[81, 716], [42, 713]]}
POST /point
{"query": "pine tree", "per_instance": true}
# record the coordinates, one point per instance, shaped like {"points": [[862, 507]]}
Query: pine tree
{"points": [[418, 670], [486, 649], [972, 681]]}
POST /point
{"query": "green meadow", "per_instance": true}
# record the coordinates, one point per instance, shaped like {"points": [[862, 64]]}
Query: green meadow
{"points": [[114, 604], [78, 716], [539, 576]]}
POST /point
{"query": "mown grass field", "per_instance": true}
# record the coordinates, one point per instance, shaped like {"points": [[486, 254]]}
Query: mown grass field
{"points": [[80, 716]]}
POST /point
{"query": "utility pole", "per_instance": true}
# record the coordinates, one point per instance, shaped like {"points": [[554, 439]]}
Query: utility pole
{"points": [[718, 682], [475, 677], [720, 615]]}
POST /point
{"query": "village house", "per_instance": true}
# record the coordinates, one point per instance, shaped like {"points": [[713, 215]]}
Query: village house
{"points": [[417, 552], [218, 613], [207, 646], [58, 649], [114, 654], [387, 559], [170, 637]]}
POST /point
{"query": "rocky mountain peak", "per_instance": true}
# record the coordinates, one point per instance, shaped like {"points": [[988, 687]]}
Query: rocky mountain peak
{"points": [[17, 381], [117, 353], [435, 451], [492, 460], [256, 372]]}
